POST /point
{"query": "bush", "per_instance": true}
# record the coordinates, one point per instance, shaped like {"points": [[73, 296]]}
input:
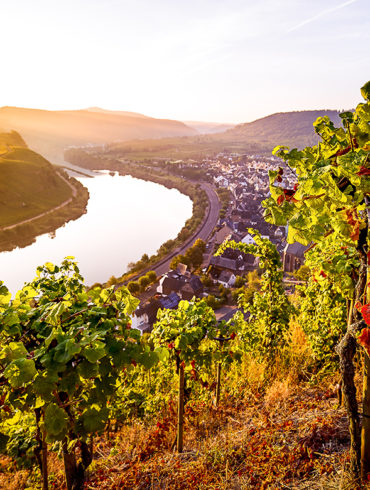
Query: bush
{"points": [[144, 282], [152, 276], [133, 287]]}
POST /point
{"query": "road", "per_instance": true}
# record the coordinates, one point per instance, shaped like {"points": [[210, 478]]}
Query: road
{"points": [[203, 232]]}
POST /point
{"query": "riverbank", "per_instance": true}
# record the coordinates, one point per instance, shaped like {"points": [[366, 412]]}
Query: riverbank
{"points": [[25, 232], [188, 234]]}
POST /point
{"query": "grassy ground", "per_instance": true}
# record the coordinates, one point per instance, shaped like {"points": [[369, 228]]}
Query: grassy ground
{"points": [[29, 185]]}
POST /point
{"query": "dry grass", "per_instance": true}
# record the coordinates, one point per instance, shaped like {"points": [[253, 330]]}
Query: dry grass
{"points": [[269, 432]]}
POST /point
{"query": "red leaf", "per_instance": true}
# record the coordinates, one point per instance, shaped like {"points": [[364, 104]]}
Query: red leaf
{"points": [[343, 152], [280, 199], [364, 171], [365, 311], [364, 339]]}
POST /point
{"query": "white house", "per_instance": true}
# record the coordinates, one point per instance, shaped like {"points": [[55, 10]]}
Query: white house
{"points": [[227, 279]]}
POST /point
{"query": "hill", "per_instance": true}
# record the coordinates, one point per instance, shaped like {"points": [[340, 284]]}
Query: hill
{"points": [[209, 127], [50, 132], [284, 128], [29, 184], [294, 129], [35, 196]]}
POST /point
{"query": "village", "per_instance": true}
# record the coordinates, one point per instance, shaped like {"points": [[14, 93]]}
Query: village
{"points": [[221, 279]]}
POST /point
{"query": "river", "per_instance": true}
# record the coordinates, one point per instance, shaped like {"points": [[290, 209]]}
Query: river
{"points": [[126, 217]]}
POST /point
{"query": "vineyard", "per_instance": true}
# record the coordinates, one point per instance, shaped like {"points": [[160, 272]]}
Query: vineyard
{"points": [[277, 397]]}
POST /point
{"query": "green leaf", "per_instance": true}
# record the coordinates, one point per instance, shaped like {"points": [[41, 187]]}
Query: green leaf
{"points": [[56, 421], [365, 91], [15, 350], [87, 370], [148, 359], [93, 354], [20, 371], [69, 382], [3, 442], [162, 353], [43, 386], [94, 419], [5, 295], [65, 351]]}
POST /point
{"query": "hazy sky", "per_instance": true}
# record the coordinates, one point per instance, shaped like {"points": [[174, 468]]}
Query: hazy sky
{"points": [[210, 60]]}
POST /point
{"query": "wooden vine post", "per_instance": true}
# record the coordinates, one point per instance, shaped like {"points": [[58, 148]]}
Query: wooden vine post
{"points": [[218, 386], [221, 341], [365, 429], [180, 410], [45, 484]]}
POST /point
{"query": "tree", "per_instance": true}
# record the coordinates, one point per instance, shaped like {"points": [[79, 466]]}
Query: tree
{"points": [[329, 206]]}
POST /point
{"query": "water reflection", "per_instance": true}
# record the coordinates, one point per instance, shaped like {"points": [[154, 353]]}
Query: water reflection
{"points": [[125, 218]]}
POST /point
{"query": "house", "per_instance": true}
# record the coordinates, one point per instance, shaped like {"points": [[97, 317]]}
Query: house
{"points": [[222, 234], [227, 279], [146, 315], [186, 286], [170, 282], [193, 287], [293, 257], [248, 239]]}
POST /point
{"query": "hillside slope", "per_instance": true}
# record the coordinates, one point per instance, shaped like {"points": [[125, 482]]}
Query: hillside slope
{"points": [[294, 129], [29, 184], [284, 128], [50, 132]]}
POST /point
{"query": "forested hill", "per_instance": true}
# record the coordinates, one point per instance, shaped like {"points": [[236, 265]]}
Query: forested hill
{"points": [[29, 184], [50, 132], [285, 128]]}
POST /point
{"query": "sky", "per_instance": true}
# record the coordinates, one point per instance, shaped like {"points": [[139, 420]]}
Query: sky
{"points": [[192, 60]]}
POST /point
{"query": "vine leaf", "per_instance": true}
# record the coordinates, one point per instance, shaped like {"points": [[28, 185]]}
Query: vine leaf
{"points": [[20, 371], [55, 420]]}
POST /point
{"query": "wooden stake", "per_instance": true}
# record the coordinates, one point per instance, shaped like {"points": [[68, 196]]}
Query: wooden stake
{"points": [[365, 429], [45, 484], [218, 385], [180, 411]]}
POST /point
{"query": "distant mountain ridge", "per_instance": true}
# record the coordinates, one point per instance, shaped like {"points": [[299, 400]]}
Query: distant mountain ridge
{"points": [[293, 129], [50, 132], [209, 127], [282, 128]]}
